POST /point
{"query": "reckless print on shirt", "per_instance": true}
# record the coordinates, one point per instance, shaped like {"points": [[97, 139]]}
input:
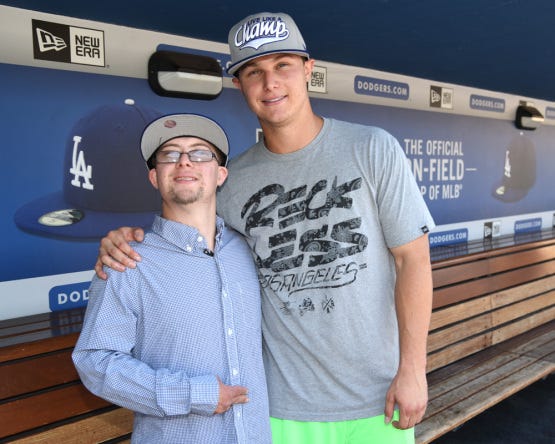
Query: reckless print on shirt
{"points": [[307, 251]]}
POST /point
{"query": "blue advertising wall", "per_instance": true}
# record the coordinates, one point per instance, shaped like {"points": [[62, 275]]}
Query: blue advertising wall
{"points": [[51, 238]]}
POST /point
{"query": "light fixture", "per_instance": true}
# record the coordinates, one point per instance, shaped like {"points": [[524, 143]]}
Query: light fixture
{"points": [[184, 75], [527, 116]]}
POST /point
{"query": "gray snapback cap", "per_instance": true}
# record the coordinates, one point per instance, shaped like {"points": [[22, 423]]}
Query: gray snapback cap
{"points": [[261, 34], [171, 126]]}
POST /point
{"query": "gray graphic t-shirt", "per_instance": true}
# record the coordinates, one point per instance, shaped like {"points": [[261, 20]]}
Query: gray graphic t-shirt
{"points": [[320, 222]]}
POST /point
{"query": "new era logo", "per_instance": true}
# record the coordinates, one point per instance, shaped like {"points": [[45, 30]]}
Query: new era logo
{"points": [[48, 41], [441, 97], [67, 44]]}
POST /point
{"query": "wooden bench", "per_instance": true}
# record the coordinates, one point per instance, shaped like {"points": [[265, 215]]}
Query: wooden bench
{"points": [[492, 331], [492, 334], [41, 397]]}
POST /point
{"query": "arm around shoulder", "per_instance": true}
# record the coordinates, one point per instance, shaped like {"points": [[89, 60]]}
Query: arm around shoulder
{"points": [[115, 251]]}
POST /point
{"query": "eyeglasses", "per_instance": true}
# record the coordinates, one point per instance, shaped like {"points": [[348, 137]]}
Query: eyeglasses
{"points": [[193, 155]]}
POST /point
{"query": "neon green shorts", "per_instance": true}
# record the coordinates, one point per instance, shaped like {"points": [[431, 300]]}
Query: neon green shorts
{"points": [[357, 431]]}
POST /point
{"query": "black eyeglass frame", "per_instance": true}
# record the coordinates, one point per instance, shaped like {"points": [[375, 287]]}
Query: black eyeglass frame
{"points": [[190, 154]]}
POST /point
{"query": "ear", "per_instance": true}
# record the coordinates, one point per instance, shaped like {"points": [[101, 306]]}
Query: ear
{"points": [[222, 175], [308, 67], [153, 177], [236, 82]]}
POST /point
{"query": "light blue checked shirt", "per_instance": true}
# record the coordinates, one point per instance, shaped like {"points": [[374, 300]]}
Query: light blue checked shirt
{"points": [[155, 338]]}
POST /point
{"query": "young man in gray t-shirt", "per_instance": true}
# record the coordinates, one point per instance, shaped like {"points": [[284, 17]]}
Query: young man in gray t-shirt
{"points": [[338, 230]]}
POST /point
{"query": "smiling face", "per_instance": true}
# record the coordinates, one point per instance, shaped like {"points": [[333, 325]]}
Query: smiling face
{"points": [[186, 182], [275, 88]]}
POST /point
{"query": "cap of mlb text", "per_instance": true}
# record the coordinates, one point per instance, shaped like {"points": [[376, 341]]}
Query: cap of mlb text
{"points": [[261, 34], [182, 125], [519, 174], [105, 183]]}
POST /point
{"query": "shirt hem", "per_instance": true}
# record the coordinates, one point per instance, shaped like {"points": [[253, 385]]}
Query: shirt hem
{"points": [[326, 417]]}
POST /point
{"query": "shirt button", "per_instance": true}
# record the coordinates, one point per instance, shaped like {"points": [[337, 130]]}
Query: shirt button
{"points": [[238, 414], [234, 372], [229, 331], [224, 294], [189, 248], [199, 239]]}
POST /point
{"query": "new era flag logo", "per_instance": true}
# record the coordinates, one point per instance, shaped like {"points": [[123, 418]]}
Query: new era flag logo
{"points": [[48, 41]]}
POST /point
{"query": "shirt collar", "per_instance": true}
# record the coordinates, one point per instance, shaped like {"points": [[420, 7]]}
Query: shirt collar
{"points": [[185, 237]]}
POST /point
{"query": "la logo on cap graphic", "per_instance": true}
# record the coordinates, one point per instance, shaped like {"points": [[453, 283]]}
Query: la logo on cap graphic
{"points": [[79, 167], [259, 31], [104, 178]]}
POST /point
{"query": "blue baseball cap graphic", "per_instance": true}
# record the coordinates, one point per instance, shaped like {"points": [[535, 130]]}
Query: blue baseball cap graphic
{"points": [[519, 172], [105, 183]]}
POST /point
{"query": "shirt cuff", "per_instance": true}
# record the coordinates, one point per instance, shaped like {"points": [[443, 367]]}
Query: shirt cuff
{"points": [[205, 394], [178, 395]]}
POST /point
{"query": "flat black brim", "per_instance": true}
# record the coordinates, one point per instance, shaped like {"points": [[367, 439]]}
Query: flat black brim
{"points": [[53, 216]]}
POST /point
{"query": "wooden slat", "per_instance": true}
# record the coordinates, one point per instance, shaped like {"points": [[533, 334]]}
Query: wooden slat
{"points": [[461, 375], [468, 408], [481, 250], [491, 265], [488, 379], [459, 331], [22, 329], [45, 408], [449, 315], [515, 328], [40, 326], [491, 318], [502, 367], [539, 347], [510, 312], [524, 258], [531, 342], [39, 330], [479, 287], [455, 313], [29, 375], [458, 351], [24, 320], [511, 295], [466, 394], [56, 325], [24, 350], [459, 273], [475, 344], [54, 317], [39, 335], [95, 429]]}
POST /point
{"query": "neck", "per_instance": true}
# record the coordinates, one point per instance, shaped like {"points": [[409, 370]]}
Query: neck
{"points": [[202, 217], [292, 136]]}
